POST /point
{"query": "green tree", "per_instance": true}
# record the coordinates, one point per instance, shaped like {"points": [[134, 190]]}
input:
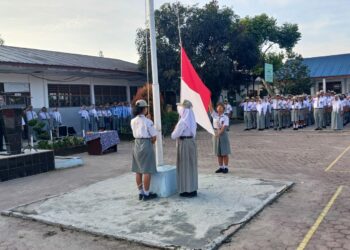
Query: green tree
{"points": [[293, 77], [1, 41], [224, 49]]}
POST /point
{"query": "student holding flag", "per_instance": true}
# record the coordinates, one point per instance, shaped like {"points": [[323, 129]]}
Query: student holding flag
{"points": [[186, 161]]}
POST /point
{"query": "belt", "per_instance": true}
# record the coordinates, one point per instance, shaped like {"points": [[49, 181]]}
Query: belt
{"points": [[185, 137]]}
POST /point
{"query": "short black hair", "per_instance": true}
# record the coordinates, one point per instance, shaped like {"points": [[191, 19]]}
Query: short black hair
{"points": [[138, 110]]}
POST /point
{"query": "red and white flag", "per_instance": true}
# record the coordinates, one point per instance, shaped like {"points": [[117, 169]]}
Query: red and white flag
{"points": [[194, 90]]}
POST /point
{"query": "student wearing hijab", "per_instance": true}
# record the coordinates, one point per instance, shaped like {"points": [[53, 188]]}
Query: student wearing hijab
{"points": [[337, 114], [143, 156], [261, 109], [221, 141], [186, 161]]}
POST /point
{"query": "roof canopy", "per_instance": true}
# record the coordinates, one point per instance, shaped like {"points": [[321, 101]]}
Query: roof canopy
{"points": [[23, 60], [328, 66]]}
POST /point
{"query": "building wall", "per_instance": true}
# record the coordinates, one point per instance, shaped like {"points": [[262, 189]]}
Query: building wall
{"points": [[39, 91], [345, 84]]}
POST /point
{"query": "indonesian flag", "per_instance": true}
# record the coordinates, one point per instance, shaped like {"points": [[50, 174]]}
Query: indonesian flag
{"points": [[194, 90]]}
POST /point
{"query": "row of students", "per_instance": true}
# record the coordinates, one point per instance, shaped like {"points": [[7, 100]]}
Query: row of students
{"points": [[51, 119], [105, 117], [296, 111], [143, 157]]}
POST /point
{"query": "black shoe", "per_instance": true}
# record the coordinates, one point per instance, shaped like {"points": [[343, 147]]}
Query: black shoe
{"points": [[246, 129], [275, 129], [192, 194], [149, 197], [324, 127], [317, 128], [189, 195], [219, 170], [225, 171], [140, 196], [280, 129]]}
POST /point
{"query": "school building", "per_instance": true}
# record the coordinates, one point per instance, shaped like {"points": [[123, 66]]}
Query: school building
{"points": [[49, 78], [329, 73]]}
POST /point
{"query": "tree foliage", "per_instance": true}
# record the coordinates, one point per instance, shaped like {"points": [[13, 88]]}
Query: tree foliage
{"points": [[1, 41], [224, 48], [293, 77]]}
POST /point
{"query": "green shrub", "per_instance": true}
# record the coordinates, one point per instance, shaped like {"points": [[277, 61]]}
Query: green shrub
{"points": [[169, 120]]}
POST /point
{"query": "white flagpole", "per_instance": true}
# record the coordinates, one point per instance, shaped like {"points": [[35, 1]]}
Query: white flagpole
{"points": [[155, 88]]}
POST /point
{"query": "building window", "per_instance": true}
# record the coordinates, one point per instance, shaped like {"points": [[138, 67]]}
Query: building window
{"points": [[66, 95], [331, 86], [109, 94]]}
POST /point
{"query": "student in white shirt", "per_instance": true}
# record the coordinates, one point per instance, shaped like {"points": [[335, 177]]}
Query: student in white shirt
{"points": [[143, 156], [31, 116], [56, 118], [337, 114], [221, 140], [45, 118], [93, 118], [84, 119], [228, 109], [186, 160], [318, 105], [247, 108], [261, 109]]}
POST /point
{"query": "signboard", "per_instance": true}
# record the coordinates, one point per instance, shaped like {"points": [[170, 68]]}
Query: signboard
{"points": [[268, 72]]}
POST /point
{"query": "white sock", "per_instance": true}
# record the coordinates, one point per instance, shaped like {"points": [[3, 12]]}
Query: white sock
{"points": [[225, 167], [222, 167], [141, 191], [145, 192]]}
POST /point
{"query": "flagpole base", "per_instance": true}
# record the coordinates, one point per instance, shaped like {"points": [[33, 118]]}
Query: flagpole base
{"points": [[163, 183]]}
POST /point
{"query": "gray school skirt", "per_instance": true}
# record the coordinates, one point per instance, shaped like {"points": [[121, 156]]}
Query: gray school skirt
{"points": [[186, 165], [221, 145], [294, 115], [143, 157]]}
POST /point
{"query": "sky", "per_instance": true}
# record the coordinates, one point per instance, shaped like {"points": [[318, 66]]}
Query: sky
{"points": [[89, 26]]}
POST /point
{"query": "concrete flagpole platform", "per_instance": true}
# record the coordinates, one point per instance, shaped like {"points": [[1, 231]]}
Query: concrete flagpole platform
{"points": [[111, 208]]}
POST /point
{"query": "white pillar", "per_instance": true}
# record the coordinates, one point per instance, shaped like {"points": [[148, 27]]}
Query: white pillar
{"points": [[128, 97], [343, 86], [92, 92], [155, 88], [324, 84], [312, 91]]}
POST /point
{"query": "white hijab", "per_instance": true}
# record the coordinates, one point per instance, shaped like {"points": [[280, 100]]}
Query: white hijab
{"points": [[187, 116]]}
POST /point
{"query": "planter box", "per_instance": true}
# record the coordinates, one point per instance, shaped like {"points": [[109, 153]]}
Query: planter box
{"points": [[71, 150]]}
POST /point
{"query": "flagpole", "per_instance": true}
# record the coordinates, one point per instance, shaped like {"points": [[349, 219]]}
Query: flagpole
{"points": [[155, 85], [180, 43]]}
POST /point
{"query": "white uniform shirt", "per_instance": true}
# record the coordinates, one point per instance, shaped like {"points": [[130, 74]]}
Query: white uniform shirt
{"points": [[44, 116], [181, 129], [220, 120], [337, 106], [56, 115], [261, 108], [296, 105], [84, 114], [93, 113], [228, 109], [31, 115], [142, 127], [247, 106], [318, 103], [253, 106], [276, 104]]}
